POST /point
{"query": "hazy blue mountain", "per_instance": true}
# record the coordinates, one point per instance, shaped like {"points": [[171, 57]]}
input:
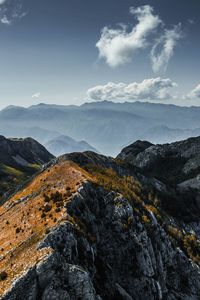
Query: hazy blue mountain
{"points": [[106, 125], [65, 144], [162, 134], [40, 134]]}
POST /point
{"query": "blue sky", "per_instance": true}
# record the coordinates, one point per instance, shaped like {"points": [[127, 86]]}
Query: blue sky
{"points": [[56, 52]]}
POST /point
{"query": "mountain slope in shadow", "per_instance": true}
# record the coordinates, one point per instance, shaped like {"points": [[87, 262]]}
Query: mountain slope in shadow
{"points": [[19, 159]]}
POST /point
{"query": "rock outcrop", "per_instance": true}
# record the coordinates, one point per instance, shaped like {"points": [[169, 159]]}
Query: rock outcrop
{"points": [[112, 255], [172, 163], [94, 227]]}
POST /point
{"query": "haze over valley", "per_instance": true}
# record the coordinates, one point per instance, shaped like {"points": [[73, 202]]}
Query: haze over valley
{"points": [[105, 126]]}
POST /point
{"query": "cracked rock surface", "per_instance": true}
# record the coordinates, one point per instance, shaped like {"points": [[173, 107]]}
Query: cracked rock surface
{"points": [[107, 256]]}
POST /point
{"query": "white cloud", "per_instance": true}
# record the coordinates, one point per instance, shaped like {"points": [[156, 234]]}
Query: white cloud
{"points": [[10, 11], [191, 21], [4, 20], [36, 95], [118, 46], [148, 89], [2, 1], [163, 49], [195, 93]]}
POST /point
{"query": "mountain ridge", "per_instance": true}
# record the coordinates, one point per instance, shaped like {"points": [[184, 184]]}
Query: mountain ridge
{"points": [[107, 126], [64, 144], [88, 226]]}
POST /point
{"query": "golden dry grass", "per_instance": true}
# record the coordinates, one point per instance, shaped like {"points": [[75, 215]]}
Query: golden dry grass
{"points": [[24, 222]]}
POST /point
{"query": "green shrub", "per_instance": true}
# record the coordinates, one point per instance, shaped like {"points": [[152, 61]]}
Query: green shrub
{"points": [[47, 208], [46, 198], [43, 215], [3, 276], [18, 230], [56, 197]]}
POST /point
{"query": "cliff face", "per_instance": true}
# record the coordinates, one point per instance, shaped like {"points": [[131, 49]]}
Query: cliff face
{"points": [[172, 163], [112, 255], [95, 228]]}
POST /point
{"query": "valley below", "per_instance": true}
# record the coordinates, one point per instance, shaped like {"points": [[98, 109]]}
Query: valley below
{"points": [[104, 127]]}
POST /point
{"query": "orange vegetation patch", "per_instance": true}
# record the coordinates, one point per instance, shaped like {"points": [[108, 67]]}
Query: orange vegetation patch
{"points": [[31, 213]]}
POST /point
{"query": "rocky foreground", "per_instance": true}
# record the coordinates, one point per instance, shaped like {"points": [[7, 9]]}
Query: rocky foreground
{"points": [[94, 227]]}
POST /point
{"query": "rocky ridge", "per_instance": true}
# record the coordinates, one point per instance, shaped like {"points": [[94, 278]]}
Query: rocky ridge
{"points": [[118, 256], [112, 238], [172, 163]]}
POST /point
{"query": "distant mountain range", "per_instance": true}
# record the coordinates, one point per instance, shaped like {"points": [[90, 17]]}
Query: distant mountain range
{"points": [[105, 125], [64, 144]]}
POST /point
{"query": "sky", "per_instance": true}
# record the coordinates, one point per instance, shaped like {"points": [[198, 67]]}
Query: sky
{"points": [[69, 52]]}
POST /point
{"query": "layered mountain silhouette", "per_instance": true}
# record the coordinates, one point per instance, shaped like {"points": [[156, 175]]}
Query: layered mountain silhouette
{"points": [[64, 144], [89, 226], [107, 126]]}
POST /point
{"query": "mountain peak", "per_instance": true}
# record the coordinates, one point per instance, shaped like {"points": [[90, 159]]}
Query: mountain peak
{"points": [[134, 149]]}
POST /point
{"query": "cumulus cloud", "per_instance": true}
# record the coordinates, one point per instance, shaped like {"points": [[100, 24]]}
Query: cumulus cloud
{"points": [[118, 46], [164, 47], [195, 93], [148, 89], [4, 20], [2, 1], [36, 95], [11, 10]]}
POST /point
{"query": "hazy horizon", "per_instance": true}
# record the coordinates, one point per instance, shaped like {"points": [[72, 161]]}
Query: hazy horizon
{"points": [[73, 52], [97, 102]]}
